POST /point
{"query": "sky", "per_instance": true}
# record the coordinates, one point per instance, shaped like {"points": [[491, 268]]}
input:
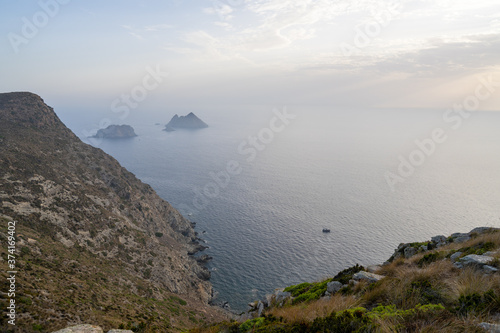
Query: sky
{"points": [[359, 53]]}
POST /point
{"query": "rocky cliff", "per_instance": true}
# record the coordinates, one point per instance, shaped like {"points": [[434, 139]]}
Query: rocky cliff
{"points": [[93, 243]]}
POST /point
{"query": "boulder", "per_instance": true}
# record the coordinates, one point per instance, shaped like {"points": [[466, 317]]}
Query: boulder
{"points": [[454, 257], [260, 308], [373, 268], [333, 287], [410, 252], [461, 239], [438, 239], [81, 329], [424, 248], [366, 276], [482, 230], [459, 234], [489, 269], [474, 259], [282, 296], [490, 328]]}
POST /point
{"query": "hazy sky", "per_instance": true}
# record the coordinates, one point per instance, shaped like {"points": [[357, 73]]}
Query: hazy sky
{"points": [[419, 53]]}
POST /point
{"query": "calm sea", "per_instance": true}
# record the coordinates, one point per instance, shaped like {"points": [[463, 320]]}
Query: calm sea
{"points": [[326, 168]]}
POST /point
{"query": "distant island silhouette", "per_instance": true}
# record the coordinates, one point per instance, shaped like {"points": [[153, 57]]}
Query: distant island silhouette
{"points": [[116, 132], [191, 121]]}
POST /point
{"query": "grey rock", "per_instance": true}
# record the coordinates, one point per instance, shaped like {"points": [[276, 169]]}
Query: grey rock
{"points": [[438, 239], [489, 269], [424, 248], [282, 296], [410, 252], [461, 239], [120, 331], [366, 276], [490, 328], [459, 234], [482, 230], [260, 309], [333, 287], [373, 268], [458, 265], [81, 329], [455, 256], [474, 259], [490, 253]]}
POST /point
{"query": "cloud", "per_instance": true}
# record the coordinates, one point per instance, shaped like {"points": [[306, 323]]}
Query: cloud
{"points": [[436, 57], [222, 10]]}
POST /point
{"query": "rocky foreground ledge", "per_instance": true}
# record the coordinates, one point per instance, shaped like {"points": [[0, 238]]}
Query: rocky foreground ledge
{"points": [[416, 281]]}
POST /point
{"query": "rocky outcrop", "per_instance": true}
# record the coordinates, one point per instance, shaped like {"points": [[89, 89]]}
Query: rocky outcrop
{"points": [[408, 250], [81, 329], [96, 244], [333, 286], [191, 121], [116, 132], [89, 329], [367, 276]]}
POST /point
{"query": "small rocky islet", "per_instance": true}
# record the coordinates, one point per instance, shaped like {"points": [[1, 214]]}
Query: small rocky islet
{"points": [[116, 132], [190, 121]]}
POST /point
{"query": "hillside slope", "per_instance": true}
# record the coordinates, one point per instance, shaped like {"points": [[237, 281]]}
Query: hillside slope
{"points": [[93, 243]]}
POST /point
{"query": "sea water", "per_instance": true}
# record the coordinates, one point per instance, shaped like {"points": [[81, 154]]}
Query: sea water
{"points": [[261, 188]]}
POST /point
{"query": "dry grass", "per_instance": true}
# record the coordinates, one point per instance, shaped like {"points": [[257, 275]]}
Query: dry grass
{"points": [[399, 289], [470, 281], [408, 284], [304, 313]]}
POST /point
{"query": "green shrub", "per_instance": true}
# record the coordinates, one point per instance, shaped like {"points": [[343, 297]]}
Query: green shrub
{"points": [[430, 258], [306, 292], [251, 324], [346, 275]]}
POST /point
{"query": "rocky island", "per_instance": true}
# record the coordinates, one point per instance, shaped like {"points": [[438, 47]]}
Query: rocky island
{"points": [[191, 121], [116, 132]]}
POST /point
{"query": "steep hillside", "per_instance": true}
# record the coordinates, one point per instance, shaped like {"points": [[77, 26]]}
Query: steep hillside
{"points": [[93, 243]]}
